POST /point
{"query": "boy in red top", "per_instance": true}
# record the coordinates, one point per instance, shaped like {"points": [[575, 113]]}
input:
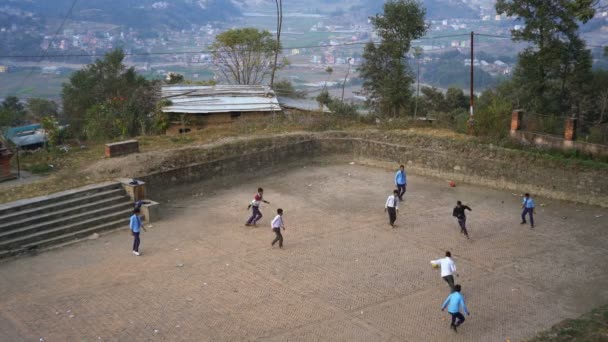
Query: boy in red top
{"points": [[255, 205]]}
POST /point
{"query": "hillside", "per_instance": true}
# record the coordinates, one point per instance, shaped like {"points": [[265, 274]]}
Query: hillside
{"points": [[130, 13]]}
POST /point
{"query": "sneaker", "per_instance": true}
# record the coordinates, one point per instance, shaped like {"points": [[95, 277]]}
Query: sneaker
{"points": [[454, 328], [522, 222], [136, 253], [247, 224]]}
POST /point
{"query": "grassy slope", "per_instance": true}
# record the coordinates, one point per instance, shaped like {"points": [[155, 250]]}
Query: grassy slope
{"points": [[590, 327]]}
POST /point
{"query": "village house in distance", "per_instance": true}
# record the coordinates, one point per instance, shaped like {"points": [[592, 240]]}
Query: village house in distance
{"points": [[193, 107]]}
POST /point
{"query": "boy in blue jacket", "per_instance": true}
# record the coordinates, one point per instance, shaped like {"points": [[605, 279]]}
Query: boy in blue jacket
{"points": [[454, 301]]}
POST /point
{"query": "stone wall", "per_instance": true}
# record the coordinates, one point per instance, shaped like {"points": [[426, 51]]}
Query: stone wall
{"points": [[121, 148], [462, 160]]}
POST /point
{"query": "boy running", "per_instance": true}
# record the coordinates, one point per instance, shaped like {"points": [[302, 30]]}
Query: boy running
{"points": [[401, 181], [255, 205], [528, 206], [459, 214], [448, 268], [454, 301], [277, 224], [392, 206]]}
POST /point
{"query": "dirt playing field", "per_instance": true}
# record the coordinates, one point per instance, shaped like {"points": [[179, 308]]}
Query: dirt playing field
{"points": [[344, 274]]}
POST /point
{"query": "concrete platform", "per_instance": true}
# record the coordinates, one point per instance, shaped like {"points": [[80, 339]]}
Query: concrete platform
{"points": [[344, 274]]}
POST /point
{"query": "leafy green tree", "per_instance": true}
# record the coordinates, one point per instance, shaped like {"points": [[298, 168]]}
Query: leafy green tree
{"points": [[42, 108], [455, 99], [388, 78], [174, 78], [49, 124], [552, 71], [117, 93], [13, 111], [245, 55], [433, 100], [285, 88]]}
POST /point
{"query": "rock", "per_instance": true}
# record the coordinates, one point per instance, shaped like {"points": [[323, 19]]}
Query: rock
{"points": [[93, 236], [156, 331], [352, 163], [457, 168], [179, 265]]}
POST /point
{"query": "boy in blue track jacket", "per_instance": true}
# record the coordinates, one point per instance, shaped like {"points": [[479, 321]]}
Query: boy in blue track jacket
{"points": [[454, 301]]}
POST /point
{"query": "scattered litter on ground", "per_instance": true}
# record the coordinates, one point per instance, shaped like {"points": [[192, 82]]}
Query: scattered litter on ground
{"points": [[178, 326], [94, 236], [564, 217], [598, 216], [150, 226], [177, 249], [309, 185], [352, 163], [227, 264], [349, 175], [71, 316], [156, 331], [542, 204], [179, 265], [189, 299]]}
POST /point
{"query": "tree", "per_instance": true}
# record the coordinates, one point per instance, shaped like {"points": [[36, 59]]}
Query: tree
{"points": [[286, 89], [550, 72], [279, 5], [244, 55], [42, 108], [13, 112], [117, 93], [174, 78], [455, 99], [388, 78]]}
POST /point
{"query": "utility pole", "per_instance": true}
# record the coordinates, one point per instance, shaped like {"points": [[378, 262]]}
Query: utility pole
{"points": [[417, 53], [471, 121]]}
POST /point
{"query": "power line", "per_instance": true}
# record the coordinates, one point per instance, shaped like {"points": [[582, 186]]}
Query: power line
{"points": [[44, 54], [211, 51]]}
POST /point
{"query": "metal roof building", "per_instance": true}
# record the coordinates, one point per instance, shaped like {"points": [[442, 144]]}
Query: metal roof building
{"points": [[194, 99]]}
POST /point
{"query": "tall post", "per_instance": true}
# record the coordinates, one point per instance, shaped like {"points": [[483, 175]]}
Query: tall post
{"points": [[472, 92]]}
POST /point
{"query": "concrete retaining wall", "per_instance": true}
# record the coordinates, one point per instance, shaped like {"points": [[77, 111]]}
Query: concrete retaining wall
{"points": [[460, 160]]}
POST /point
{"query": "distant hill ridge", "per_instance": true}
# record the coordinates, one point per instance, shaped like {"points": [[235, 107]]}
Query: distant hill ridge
{"points": [[132, 13]]}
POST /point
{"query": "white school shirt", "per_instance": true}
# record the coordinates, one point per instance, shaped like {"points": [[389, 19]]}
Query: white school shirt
{"points": [[448, 267], [277, 222], [392, 201]]}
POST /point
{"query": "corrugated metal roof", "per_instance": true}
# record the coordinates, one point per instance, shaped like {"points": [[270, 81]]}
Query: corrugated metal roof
{"points": [[302, 104], [194, 99]]}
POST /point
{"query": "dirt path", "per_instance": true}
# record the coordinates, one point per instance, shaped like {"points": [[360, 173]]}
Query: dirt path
{"points": [[344, 275]]}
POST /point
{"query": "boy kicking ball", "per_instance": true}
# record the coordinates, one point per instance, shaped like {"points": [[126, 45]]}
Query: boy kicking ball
{"points": [[277, 224]]}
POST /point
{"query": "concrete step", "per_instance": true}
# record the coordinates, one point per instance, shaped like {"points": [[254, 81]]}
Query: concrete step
{"points": [[45, 201], [61, 204], [74, 222], [23, 241], [64, 239], [75, 206]]}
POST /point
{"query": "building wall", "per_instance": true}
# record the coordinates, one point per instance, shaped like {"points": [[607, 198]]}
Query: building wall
{"points": [[198, 121]]}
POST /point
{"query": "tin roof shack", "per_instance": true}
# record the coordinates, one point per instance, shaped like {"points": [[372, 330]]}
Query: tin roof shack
{"points": [[28, 137], [193, 107]]}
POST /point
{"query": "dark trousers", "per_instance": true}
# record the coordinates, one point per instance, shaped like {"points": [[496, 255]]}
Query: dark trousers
{"points": [[255, 215], [136, 241], [458, 316], [528, 211], [450, 280], [279, 237], [401, 189], [463, 226], [392, 215]]}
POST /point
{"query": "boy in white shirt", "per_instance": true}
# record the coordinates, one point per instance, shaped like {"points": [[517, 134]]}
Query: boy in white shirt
{"points": [[448, 269], [392, 206], [277, 224]]}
